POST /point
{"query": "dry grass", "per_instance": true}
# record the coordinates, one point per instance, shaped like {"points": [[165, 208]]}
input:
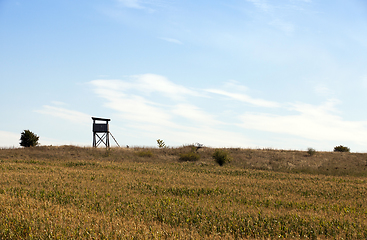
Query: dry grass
{"points": [[83, 193]]}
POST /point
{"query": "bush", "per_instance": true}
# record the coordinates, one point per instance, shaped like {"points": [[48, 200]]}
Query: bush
{"points": [[145, 154], [28, 139], [311, 151], [189, 157], [221, 157], [341, 149]]}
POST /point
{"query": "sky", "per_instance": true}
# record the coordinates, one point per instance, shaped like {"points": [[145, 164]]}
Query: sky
{"points": [[285, 74]]}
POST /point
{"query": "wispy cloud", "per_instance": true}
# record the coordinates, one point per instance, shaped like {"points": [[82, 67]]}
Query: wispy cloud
{"points": [[287, 27], [146, 84], [320, 123], [195, 114], [58, 103], [261, 4], [157, 106], [275, 12], [245, 98], [70, 115], [130, 97], [323, 90], [9, 139], [131, 3], [157, 83], [149, 5], [154, 104]]}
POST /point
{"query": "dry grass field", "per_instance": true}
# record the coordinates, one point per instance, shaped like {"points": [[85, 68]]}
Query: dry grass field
{"points": [[147, 193]]}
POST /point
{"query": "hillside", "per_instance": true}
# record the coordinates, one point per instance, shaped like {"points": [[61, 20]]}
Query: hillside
{"points": [[327, 163]]}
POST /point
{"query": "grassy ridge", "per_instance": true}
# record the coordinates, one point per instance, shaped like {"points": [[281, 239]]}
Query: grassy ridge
{"points": [[69, 192]]}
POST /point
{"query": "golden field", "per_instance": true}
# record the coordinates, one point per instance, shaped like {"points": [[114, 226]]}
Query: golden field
{"points": [[71, 192]]}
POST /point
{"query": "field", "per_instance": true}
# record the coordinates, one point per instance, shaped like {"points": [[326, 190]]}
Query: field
{"points": [[147, 193]]}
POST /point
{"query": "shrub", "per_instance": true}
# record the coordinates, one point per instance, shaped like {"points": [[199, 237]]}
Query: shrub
{"points": [[145, 154], [311, 151], [341, 149], [28, 139], [189, 157], [221, 157]]}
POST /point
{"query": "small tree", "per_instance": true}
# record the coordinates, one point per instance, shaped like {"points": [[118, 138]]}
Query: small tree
{"points": [[28, 139], [161, 143]]}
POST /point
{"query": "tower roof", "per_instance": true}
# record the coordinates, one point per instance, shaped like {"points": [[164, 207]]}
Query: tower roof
{"points": [[101, 119]]}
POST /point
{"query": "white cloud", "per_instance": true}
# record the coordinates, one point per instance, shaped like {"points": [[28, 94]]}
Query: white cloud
{"points": [[145, 83], [245, 98], [58, 103], [195, 114], [9, 139], [63, 113], [319, 123], [155, 107], [46, 141], [147, 5], [157, 83], [134, 98], [136, 106]]}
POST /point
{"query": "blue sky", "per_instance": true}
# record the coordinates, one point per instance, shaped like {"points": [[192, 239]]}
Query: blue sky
{"points": [[287, 74]]}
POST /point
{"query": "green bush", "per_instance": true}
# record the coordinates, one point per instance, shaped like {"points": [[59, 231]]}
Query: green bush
{"points": [[28, 139], [221, 157], [341, 149], [311, 151], [189, 157]]}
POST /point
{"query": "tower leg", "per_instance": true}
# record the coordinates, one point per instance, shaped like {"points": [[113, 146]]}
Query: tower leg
{"points": [[108, 140], [94, 139]]}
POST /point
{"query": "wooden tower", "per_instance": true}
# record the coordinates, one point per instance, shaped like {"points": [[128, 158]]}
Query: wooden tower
{"points": [[103, 130]]}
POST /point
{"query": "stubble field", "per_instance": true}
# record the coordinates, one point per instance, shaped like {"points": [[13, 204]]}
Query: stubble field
{"points": [[146, 193]]}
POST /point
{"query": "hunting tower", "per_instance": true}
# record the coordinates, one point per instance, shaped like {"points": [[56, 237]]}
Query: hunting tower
{"points": [[101, 128]]}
